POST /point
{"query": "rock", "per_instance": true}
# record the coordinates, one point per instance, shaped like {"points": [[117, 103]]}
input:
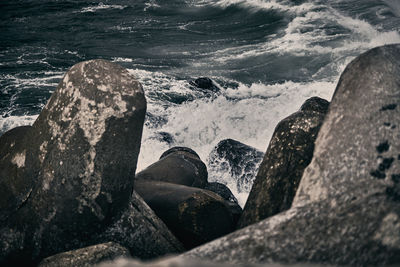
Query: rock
{"points": [[204, 83], [238, 159], [194, 215], [141, 231], [230, 200], [221, 190], [343, 212], [289, 152], [15, 187], [86, 257], [315, 103], [179, 166], [82, 155], [183, 262]]}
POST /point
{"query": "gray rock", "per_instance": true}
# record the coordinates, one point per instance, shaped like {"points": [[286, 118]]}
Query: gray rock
{"points": [[178, 165], [343, 213], [239, 160], [82, 155], [141, 231], [194, 215], [86, 257], [288, 154]]}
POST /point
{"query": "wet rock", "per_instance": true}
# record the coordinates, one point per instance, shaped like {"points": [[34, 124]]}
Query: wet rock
{"points": [[177, 165], [86, 257], [194, 215], [205, 83], [342, 214], [289, 152], [230, 200], [316, 104], [239, 160], [141, 231], [15, 186], [82, 155]]}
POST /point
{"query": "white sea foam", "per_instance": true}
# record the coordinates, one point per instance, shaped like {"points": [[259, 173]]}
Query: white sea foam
{"points": [[15, 121], [121, 59], [248, 114], [100, 6]]}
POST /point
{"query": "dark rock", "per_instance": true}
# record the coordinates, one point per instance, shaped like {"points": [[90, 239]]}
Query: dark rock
{"points": [[315, 104], [194, 215], [141, 231], [230, 200], [86, 257], [238, 159], [341, 214], [82, 155], [222, 190], [179, 149], [205, 83], [15, 186], [177, 165], [289, 152]]}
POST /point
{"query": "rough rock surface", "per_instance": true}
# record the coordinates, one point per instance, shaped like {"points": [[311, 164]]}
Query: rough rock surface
{"points": [[239, 160], [178, 165], [86, 257], [141, 231], [288, 154], [347, 208], [194, 215], [82, 155], [15, 186]]}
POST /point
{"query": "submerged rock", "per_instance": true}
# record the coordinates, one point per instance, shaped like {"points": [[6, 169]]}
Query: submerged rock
{"points": [[347, 208], [239, 160], [288, 154], [194, 215], [204, 83], [86, 257], [178, 165], [81, 153]]}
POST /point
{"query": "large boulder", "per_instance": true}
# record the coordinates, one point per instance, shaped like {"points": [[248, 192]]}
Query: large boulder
{"points": [[141, 231], [288, 154], [194, 215], [178, 165], [86, 257], [81, 153], [239, 160], [347, 208]]}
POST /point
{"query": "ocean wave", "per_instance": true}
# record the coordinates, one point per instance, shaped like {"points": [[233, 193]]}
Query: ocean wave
{"points": [[257, 5], [11, 122], [101, 6]]}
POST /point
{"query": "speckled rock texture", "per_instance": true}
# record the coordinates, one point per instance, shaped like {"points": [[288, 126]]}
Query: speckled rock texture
{"points": [[194, 215], [288, 154], [86, 257], [347, 208], [81, 153], [178, 165], [239, 160]]}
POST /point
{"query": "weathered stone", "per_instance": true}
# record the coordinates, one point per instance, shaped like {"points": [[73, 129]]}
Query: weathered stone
{"points": [[86, 257], [82, 155], [230, 200], [141, 231], [343, 212], [194, 215], [15, 186], [177, 165], [289, 152], [239, 160]]}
